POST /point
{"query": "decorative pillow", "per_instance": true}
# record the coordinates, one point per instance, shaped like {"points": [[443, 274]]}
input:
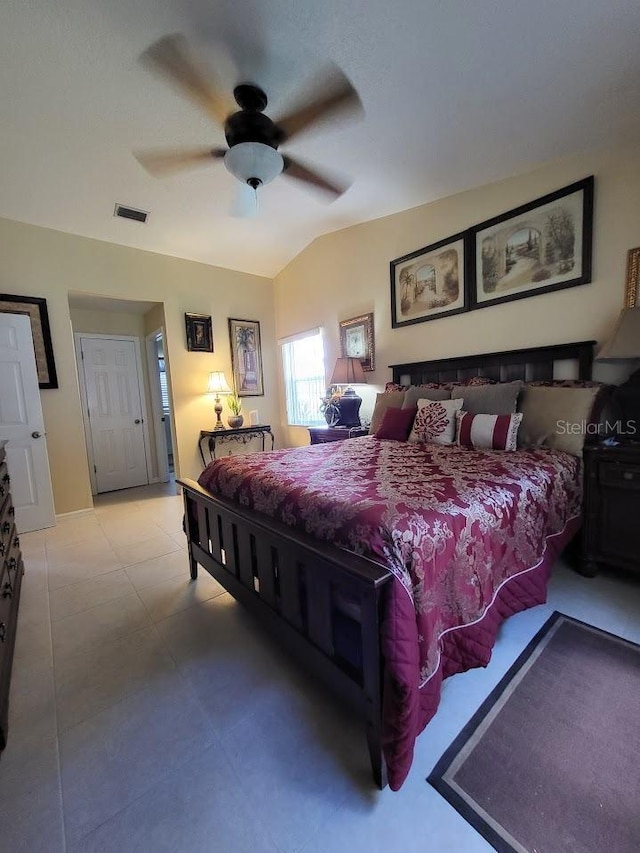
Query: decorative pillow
{"points": [[565, 383], [388, 400], [556, 417], [488, 432], [441, 386], [419, 392], [435, 421], [396, 424], [475, 380], [431, 386], [498, 399]]}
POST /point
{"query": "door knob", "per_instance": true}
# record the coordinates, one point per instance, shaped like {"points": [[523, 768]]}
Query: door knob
{"points": [[35, 435], [137, 421]]}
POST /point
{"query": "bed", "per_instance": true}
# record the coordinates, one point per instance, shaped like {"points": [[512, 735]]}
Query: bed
{"points": [[387, 567]]}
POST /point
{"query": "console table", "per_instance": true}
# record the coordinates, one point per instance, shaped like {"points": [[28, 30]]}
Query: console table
{"points": [[210, 438]]}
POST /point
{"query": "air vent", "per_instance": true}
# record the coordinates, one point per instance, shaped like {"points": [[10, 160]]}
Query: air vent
{"points": [[131, 213]]}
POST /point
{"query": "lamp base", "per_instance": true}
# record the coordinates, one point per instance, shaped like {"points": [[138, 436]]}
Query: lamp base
{"points": [[218, 410], [349, 405]]}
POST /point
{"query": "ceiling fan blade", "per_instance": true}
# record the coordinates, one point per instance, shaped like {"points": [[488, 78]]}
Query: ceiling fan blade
{"points": [[165, 161], [245, 202], [301, 172], [336, 95], [172, 58]]}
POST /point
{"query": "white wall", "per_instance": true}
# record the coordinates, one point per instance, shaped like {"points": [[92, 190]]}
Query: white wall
{"points": [[346, 273]]}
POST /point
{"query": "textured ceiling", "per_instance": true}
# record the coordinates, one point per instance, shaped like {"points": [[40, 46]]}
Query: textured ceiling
{"points": [[456, 93]]}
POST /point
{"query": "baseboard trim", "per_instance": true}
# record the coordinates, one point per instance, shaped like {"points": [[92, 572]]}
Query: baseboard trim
{"points": [[74, 513]]}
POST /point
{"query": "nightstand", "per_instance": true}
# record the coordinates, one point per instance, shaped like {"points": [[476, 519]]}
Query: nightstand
{"points": [[322, 435], [611, 531]]}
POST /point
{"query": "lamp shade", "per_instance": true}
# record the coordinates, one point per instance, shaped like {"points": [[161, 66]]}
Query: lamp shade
{"points": [[624, 343], [348, 371], [218, 383], [253, 163]]}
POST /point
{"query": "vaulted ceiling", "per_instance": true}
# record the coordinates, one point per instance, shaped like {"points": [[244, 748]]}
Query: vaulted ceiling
{"points": [[456, 93]]}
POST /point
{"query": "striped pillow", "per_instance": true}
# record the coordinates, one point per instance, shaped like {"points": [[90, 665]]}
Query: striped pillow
{"points": [[488, 432]]}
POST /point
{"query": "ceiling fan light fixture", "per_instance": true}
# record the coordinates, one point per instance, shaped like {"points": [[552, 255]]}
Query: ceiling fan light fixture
{"points": [[254, 163]]}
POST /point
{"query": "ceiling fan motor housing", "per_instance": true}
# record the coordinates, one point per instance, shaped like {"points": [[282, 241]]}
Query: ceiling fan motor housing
{"points": [[253, 139]]}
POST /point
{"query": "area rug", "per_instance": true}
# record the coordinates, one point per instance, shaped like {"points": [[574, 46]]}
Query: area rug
{"points": [[551, 761]]}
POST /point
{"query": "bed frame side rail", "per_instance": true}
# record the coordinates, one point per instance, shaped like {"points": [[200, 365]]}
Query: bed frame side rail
{"points": [[295, 584]]}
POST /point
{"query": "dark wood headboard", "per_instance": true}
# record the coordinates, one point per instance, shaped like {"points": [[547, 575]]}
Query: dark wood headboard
{"points": [[527, 364]]}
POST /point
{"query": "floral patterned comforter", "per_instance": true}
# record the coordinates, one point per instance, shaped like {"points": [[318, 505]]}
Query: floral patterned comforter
{"points": [[452, 524]]}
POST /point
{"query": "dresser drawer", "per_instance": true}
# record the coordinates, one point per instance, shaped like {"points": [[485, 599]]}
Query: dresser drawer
{"points": [[7, 527], [7, 517], [619, 475], [4, 481], [11, 567]]}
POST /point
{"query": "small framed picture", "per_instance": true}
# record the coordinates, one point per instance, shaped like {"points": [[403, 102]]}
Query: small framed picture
{"points": [[356, 340], [199, 333], [246, 357], [430, 283]]}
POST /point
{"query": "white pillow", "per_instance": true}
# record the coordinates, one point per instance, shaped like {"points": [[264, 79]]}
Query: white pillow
{"points": [[436, 421]]}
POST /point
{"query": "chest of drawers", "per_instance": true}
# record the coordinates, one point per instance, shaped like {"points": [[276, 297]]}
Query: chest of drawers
{"points": [[11, 571]]}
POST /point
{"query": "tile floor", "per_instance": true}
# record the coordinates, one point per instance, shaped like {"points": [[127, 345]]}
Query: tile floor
{"points": [[148, 713]]}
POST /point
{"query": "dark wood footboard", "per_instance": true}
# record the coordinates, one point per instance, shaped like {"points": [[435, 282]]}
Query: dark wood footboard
{"points": [[299, 587]]}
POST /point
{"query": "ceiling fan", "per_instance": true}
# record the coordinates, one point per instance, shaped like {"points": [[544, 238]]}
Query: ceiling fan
{"points": [[253, 138]]}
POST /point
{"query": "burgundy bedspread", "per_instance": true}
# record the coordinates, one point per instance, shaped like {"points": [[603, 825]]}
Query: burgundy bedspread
{"points": [[465, 533]]}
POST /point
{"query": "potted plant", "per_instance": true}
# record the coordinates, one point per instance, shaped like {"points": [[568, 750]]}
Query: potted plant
{"points": [[235, 420]]}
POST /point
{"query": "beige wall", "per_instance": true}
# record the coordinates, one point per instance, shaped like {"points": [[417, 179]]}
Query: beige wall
{"points": [[42, 262], [346, 273]]}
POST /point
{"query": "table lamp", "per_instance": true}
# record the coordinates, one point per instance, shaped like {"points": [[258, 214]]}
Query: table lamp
{"points": [[218, 385], [348, 371], [624, 345]]}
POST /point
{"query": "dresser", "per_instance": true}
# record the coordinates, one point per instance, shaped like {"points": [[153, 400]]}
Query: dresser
{"points": [[10, 583], [611, 531]]}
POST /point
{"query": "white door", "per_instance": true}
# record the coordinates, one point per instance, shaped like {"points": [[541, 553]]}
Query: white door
{"points": [[114, 403], [22, 424]]}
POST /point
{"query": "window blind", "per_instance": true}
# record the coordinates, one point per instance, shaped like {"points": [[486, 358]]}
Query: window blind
{"points": [[304, 381]]}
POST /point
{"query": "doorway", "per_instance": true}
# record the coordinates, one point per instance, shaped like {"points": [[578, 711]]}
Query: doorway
{"points": [[22, 428], [161, 402]]}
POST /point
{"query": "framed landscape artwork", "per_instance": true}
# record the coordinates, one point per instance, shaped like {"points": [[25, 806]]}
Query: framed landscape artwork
{"points": [[542, 246], [632, 295], [199, 332], [430, 283], [246, 357], [356, 340], [36, 309]]}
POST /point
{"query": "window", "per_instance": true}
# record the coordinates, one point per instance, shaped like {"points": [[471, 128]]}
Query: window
{"points": [[303, 365], [164, 391]]}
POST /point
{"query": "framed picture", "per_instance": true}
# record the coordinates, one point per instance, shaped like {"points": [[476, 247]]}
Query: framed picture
{"points": [[542, 246], [356, 340], [632, 295], [246, 357], [199, 333], [430, 283], [36, 308]]}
